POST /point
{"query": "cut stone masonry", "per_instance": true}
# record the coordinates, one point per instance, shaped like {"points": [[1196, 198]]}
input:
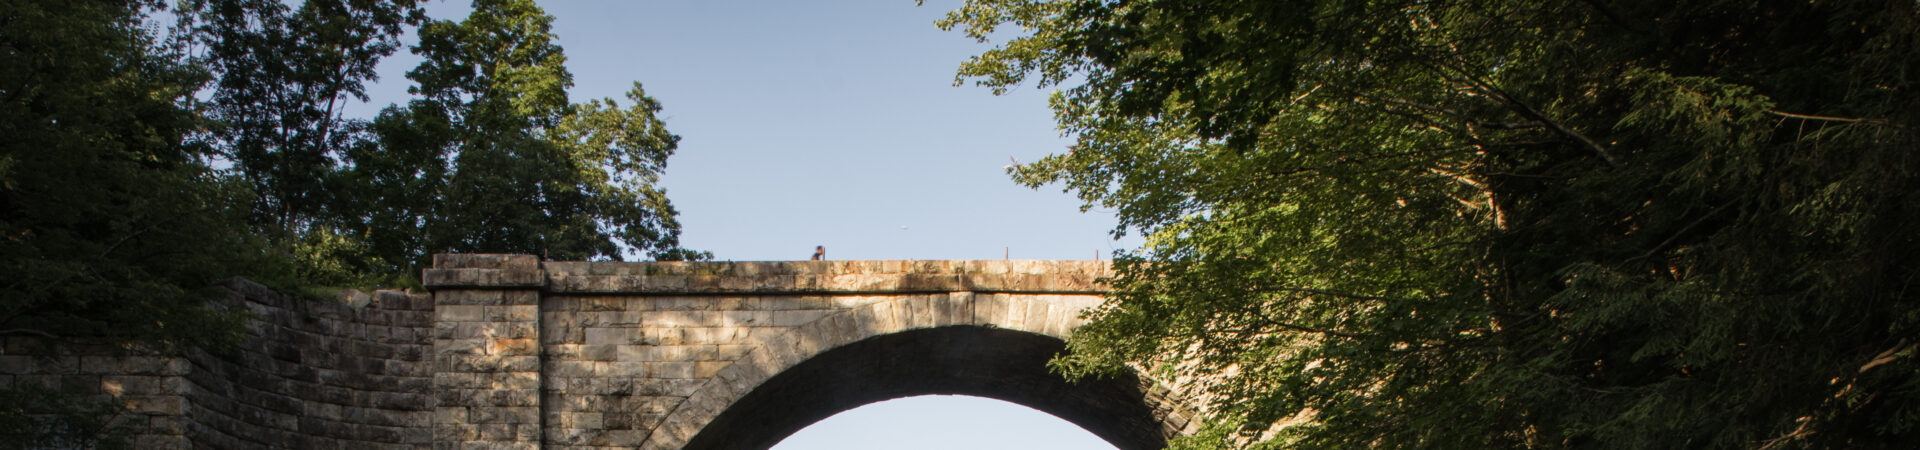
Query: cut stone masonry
{"points": [[509, 352]]}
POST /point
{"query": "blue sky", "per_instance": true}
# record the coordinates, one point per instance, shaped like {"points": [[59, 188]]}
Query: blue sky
{"points": [[835, 123], [823, 123], [942, 423]]}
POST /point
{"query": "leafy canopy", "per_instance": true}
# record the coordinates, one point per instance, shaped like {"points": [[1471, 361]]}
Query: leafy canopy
{"points": [[111, 223], [140, 167], [283, 75], [1496, 223], [488, 157], [493, 158]]}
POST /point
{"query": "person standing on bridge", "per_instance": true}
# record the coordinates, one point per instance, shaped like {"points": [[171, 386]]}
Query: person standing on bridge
{"points": [[819, 253]]}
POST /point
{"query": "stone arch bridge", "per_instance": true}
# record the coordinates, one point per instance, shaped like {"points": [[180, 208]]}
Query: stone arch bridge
{"points": [[739, 355], [509, 352]]}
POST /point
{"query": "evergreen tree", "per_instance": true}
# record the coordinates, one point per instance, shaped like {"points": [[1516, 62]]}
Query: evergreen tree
{"points": [[111, 223], [1496, 223]]}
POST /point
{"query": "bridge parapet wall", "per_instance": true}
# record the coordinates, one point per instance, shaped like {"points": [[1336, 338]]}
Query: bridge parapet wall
{"points": [[825, 277]]}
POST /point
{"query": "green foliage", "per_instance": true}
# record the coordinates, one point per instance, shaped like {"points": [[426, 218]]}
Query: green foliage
{"points": [[1485, 224], [492, 158], [111, 225], [1214, 436], [284, 74], [115, 222]]}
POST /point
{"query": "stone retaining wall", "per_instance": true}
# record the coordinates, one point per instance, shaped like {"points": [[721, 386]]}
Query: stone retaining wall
{"points": [[151, 388], [310, 375], [318, 375]]}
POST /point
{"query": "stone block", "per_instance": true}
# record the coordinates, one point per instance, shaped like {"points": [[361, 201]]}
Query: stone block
{"points": [[513, 397], [560, 304], [615, 336], [460, 313], [521, 364], [1036, 319], [118, 385], [101, 365], [668, 387], [918, 311], [1015, 315], [451, 380], [505, 414], [589, 304], [422, 318], [639, 353], [729, 352], [746, 318], [1058, 320], [707, 369], [485, 261], [583, 420], [622, 438], [514, 347], [445, 297], [171, 405], [514, 380], [890, 316], [678, 319], [454, 433], [599, 352], [452, 415], [321, 410], [15, 364], [622, 318], [165, 425], [163, 442], [671, 369]]}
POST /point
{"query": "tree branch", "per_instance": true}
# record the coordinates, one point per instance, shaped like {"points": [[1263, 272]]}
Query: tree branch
{"points": [[1486, 87], [1683, 230], [1541, 117], [1879, 122], [1343, 295]]}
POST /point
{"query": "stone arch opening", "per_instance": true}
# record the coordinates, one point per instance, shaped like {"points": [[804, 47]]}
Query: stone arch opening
{"points": [[943, 421], [972, 360]]}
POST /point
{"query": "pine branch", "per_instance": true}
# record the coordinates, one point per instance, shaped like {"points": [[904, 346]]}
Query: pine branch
{"points": [[1683, 231], [1879, 122]]}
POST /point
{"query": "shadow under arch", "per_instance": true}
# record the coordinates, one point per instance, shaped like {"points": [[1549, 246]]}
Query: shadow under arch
{"points": [[972, 360]]}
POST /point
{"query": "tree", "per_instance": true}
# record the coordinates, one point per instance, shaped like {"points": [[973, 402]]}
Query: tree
{"points": [[1493, 223], [111, 224], [284, 74], [492, 157]]}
